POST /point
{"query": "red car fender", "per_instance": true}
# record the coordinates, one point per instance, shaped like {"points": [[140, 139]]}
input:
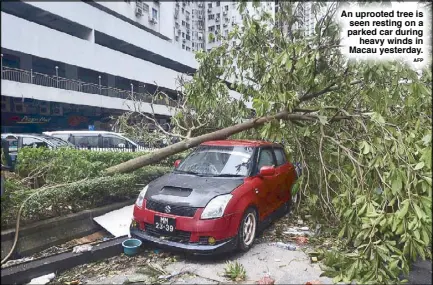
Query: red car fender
{"points": [[243, 198]]}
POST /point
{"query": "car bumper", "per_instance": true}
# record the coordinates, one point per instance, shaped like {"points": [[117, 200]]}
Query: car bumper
{"points": [[195, 248]]}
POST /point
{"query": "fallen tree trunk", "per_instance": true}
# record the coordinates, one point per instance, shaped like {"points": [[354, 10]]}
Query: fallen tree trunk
{"points": [[160, 154]]}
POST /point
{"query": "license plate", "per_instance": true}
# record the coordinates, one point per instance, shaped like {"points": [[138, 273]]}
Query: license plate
{"points": [[165, 224]]}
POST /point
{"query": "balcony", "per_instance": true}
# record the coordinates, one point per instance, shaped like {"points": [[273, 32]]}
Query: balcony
{"points": [[29, 77]]}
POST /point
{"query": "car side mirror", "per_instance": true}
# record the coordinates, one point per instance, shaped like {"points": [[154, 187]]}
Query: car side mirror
{"points": [[267, 171], [177, 162]]}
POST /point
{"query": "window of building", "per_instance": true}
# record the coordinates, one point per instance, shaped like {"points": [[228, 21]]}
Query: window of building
{"points": [[177, 38], [209, 5], [188, 48], [188, 25], [183, 23], [188, 37], [183, 46], [145, 7], [154, 13], [183, 10], [226, 7], [218, 3], [218, 15], [192, 44], [211, 28], [211, 16], [218, 27], [183, 35]]}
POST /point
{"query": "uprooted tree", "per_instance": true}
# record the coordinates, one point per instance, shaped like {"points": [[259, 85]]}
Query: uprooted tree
{"points": [[361, 129]]}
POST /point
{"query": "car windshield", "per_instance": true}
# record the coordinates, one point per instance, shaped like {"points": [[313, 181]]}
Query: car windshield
{"points": [[58, 142], [218, 161]]}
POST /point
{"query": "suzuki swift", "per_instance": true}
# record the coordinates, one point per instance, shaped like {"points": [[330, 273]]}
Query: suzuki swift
{"points": [[217, 198]]}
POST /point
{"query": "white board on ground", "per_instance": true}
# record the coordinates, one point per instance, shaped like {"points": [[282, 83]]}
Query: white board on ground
{"points": [[116, 222]]}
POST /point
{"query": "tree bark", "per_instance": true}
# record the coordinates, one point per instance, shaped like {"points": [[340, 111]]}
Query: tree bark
{"points": [[222, 134]]}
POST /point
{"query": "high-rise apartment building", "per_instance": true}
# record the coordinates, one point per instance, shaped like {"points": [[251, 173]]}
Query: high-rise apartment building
{"points": [[195, 21], [307, 18]]}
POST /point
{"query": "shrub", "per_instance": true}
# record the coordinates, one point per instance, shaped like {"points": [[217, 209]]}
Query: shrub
{"points": [[75, 197], [68, 165]]}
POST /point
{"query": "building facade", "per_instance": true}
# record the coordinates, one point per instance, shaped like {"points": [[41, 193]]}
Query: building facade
{"points": [[75, 65]]}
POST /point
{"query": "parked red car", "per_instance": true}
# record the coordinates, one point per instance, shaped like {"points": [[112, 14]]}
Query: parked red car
{"points": [[217, 198]]}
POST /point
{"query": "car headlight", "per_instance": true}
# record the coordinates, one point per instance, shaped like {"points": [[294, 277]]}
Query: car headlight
{"points": [[140, 198], [215, 208]]}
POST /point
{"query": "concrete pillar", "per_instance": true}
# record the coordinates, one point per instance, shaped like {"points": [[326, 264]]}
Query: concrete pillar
{"points": [[71, 72], [91, 36], [25, 61], [111, 80]]}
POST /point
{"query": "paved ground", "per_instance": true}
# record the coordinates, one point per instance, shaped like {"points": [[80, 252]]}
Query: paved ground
{"points": [[284, 266]]}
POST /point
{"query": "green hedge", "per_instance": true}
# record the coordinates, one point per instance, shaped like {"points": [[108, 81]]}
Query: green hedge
{"points": [[68, 165], [61, 166], [91, 193]]}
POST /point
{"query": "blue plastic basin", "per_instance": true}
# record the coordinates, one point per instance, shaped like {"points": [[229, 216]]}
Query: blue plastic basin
{"points": [[131, 246]]}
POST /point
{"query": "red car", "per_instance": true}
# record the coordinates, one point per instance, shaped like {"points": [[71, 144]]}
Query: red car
{"points": [[217, 198]]}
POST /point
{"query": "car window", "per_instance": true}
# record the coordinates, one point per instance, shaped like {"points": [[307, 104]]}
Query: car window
{"points": [[280, 155], [110, 141], [33, 142], [86, 141], [265, 158], [64, 137]]}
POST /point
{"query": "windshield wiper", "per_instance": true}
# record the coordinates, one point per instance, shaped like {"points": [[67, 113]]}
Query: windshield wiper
{"points": [[187, 172], [227, 175]]}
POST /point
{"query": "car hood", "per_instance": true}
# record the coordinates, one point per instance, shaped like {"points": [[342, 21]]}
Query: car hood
{"points": [[190, 190]]}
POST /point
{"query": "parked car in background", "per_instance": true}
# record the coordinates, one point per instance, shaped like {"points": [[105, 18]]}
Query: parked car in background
{"points": [[17, 141], [217, 198], [97, 140]]}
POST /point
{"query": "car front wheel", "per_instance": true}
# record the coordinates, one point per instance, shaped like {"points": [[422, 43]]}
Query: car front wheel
{"points": [[247, 230]]}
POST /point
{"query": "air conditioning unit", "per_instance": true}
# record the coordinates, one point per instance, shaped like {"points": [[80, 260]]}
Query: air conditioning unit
{"points": [[44, 108], [225, 13], [138, 11], [152, 20], [224, 25], [6, 104]]}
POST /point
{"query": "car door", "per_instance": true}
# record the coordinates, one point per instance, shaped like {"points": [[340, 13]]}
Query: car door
{"points": [[265, 186], [283, 171]]}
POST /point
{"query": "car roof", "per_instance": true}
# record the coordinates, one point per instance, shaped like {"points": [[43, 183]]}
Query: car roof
{"points": [[25, 134], [80, 132], [251, 143]]}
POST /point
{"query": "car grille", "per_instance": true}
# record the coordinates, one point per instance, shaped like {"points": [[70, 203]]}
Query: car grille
{"points": [[183, 211], [176, 236]]}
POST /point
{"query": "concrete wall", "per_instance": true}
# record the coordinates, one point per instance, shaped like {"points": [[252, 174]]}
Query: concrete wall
{"points": [[19, 90], [34, 39], [96, 19]]}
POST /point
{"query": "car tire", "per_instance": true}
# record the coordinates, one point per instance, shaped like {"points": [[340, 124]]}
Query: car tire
{"points": [[247, 230]]}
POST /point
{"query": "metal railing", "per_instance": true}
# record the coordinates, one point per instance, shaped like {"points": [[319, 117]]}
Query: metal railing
{"points": [[25, 76]]}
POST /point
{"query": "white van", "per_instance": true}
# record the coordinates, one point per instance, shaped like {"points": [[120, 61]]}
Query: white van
{"points": [[97, 140]]}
